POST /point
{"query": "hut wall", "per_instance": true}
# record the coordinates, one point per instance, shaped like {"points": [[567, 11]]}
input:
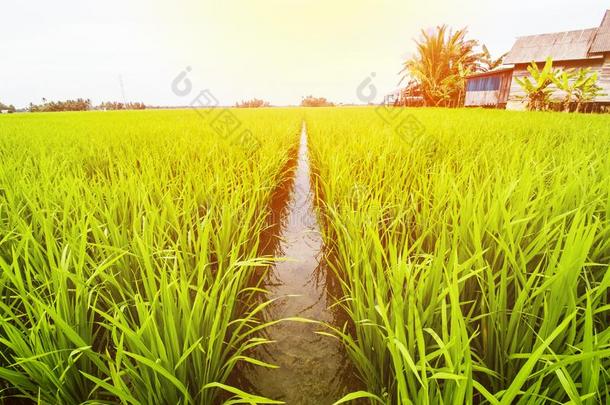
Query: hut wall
{"points": [[515, 98], [604, 79], [481, 98], [491, 96], [601, 66], [507, 78]]}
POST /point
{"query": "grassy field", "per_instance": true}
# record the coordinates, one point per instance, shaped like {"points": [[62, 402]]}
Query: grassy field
{"points": [[126, 242], [472, 248]]}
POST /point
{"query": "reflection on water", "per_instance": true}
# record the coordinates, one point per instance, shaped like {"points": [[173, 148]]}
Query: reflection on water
{"points": [[313, 369]]}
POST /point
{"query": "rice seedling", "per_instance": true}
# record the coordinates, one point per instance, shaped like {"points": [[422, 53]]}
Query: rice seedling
{"points": [[126, 245], [473, 256]]}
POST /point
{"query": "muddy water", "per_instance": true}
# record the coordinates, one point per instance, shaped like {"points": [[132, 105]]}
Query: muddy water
{"points": [[313, 369]]}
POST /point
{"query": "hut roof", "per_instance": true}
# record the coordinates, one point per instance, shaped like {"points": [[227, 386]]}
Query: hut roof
{"points": [[561, 46], [601, 43]]}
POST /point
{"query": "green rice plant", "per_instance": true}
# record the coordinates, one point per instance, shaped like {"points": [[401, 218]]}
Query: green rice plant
{"points": [[127, 245], [473, 256]]}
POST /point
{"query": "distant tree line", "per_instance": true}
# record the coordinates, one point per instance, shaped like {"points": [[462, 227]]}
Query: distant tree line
{"points": [[55, 106], [82, 105], [254, 103], [10, 108], [114, 105], [311, 101]]}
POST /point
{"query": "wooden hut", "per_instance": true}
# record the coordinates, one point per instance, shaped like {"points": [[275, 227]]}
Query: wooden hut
{"points": [[489, 89], [589, 48], [392, 98]]}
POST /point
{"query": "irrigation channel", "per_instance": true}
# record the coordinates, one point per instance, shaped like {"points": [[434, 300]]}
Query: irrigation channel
{"points": [[312, 368]]}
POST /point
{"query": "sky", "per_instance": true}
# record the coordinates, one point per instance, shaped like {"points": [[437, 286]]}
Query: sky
{"points": [[277, 50]]}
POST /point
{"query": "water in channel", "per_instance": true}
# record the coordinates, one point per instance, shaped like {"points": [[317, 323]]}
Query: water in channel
{"points": [[313, 368]]}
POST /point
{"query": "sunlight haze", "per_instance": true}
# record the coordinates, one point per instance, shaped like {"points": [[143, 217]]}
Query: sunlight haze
{"points": [[270, 49]]}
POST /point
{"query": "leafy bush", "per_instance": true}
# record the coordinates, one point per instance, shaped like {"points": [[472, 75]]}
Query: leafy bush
{"points": [[311, 101]]}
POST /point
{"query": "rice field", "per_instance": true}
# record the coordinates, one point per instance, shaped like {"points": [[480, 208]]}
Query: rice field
{"points": [[473, 253], [127, 242], [470, 247]]}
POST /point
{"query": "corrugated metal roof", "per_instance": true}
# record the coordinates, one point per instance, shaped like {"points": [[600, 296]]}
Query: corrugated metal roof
{"points": [[601, 43], [561, 46]]}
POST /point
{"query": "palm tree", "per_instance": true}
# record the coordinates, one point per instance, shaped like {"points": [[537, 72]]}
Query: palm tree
{"points": [[443, 59], [488, 63]]}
